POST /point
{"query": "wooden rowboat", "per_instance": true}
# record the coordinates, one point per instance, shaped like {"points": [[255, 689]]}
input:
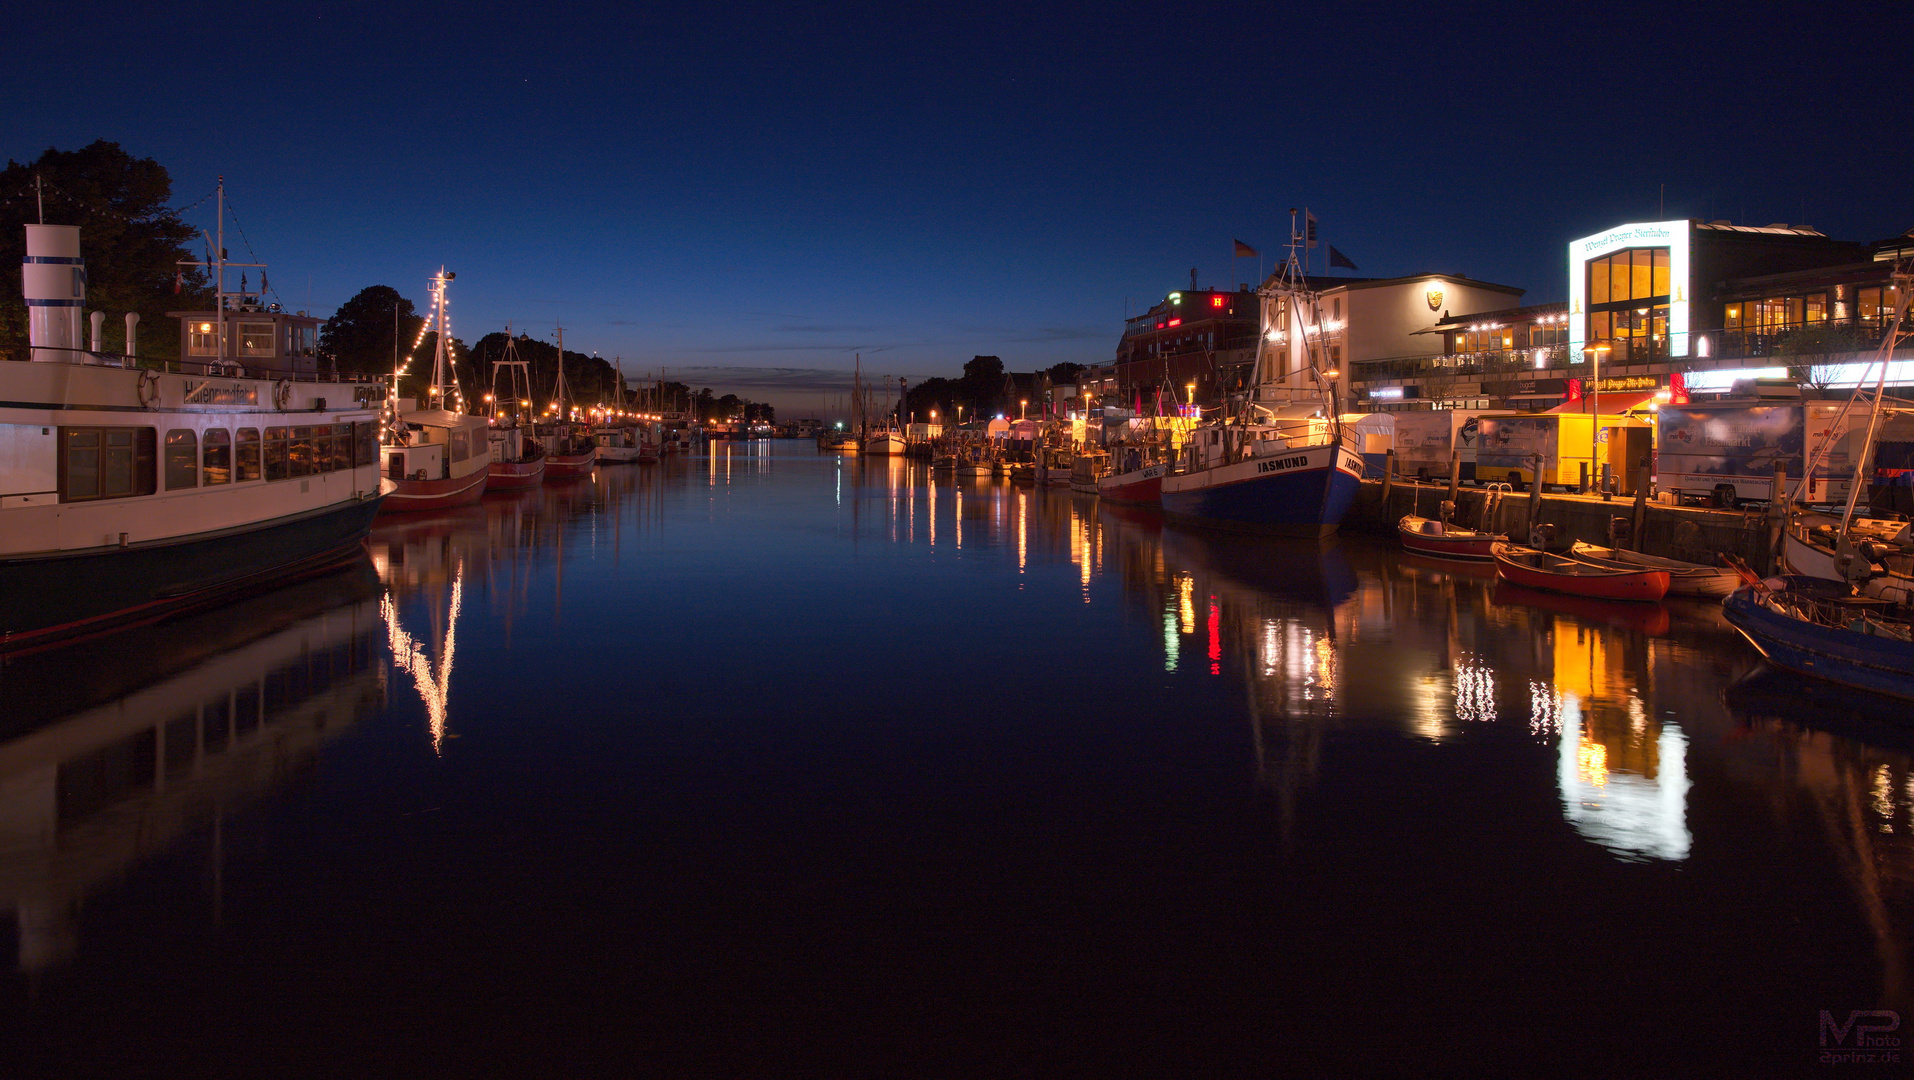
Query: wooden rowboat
{"points": [[1559, 573], [1684, 578], [1439, 540]]}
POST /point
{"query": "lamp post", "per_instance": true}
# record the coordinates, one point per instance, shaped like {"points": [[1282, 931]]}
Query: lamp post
{"points": [[1023, 409], [1595, 406]]}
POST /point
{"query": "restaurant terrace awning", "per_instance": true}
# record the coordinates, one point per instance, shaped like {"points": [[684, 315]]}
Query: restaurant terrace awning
{"points": [[1620, 401]]}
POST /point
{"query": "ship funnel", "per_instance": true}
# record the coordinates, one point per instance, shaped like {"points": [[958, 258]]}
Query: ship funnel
{"points": [[54, 281], [132, 320], [98, 319]]}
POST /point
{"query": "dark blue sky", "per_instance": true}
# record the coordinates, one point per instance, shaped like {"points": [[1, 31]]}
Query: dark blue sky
{"points": [[746, 196]]}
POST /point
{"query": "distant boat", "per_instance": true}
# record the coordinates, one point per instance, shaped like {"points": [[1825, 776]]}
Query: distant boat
{"points": [[1440, 540], [517, 459], [569, 449], [1684, 578], [1557, 573], [1812, 627]]}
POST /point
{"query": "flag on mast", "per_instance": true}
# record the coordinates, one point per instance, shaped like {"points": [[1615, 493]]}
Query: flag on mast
{"points": [[1244, 251], [1337, 258], [1309, 230]]}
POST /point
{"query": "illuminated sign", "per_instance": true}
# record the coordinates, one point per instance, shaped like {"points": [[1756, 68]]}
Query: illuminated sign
{"points": [[207, 393], [1386, 393], [1176, 322], [1627, 382], [1673, 235], [1216, 301]]}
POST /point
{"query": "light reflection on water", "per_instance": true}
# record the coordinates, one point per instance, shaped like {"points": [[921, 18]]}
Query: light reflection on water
{"points": [[726, 597]]}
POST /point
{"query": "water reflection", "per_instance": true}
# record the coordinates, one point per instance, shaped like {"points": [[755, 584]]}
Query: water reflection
{"points": [[114, 752]]}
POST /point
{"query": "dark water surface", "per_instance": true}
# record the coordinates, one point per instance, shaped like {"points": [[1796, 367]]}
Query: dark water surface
{"points": [[767, 763]]}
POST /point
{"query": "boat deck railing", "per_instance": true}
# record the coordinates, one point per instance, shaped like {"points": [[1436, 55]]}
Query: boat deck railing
{"points": [[213, 368]]}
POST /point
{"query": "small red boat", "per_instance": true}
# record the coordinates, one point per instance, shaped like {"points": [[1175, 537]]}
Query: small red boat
{"points": [[1439, 540], [1557, 573]]}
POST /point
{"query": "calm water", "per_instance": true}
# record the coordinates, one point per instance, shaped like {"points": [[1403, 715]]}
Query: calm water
{"points": [[769, 762]]}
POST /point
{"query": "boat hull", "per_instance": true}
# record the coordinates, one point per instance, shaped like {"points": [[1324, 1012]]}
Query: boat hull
{"points": [[54, 599], [1647, 585], [515, 475], [568, 465], [1141, 487], [1861, 661], [1304, 492], [1446, 543], [410, 496]]}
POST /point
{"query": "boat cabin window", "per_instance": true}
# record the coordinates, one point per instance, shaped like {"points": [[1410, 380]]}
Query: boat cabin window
{"points": [[216, 462], [256, 339], [461, 445], [203, 339], [106, 462], [365, 436], [276, 465], [303, 450], [182, 459], [246, 460]]}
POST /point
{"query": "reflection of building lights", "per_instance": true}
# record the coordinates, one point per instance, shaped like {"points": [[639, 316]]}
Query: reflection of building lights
{"points": [[1474, 691], [1186, 602], [1884, 797], [1591, 762], [1172, 645], [1545, 710], [1216, 637]]}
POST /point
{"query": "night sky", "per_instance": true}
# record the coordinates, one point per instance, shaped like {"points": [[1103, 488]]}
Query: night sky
{"points": [[746, 196]]}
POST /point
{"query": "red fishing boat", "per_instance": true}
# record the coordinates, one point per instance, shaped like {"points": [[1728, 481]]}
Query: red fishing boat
{"points": [[1441, 540], [1557, 573]]}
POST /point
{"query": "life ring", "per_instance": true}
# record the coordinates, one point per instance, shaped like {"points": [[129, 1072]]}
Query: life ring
{"points": [[148, 390], [282, 394]]}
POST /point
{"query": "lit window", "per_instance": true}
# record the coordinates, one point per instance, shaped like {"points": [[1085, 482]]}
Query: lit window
{"points": [[256, 339], [202, 339]]}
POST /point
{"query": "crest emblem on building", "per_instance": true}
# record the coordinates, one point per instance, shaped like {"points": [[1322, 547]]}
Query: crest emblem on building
{"points": [[1434, 296]]}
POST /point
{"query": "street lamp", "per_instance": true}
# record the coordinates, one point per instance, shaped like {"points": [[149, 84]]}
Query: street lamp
{"points": [[1594, 353], [1023, 409]]}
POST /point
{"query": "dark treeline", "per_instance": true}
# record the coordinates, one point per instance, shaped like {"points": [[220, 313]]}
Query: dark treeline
{"points": [[134, 245], [985, 390]]}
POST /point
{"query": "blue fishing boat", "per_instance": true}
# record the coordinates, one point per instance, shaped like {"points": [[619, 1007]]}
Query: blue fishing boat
{"points": [[1812, 627], [1285, 461]]}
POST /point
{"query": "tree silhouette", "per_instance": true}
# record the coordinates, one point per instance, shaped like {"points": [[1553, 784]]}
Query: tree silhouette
{"points": [[131, 241]]}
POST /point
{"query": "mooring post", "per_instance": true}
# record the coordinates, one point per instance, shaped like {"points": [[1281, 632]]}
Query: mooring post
{"points": [[1641, 504], [1535, 492], [1388, 473], [1777, 518]]}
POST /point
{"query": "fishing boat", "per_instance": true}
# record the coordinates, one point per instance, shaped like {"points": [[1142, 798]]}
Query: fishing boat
{"points": [[1535, 569], [1087, 468], [517, 458], [569, 449], [130, 493], [616, 438], [1684, 578], [436, 455], [1874, 555], [1135, 476], [1054, 466], [1441, 540], [1285, 462], [1817, 628]]}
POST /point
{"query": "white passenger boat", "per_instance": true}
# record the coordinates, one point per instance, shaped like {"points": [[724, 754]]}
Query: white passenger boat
{"points": [[128, 493]]}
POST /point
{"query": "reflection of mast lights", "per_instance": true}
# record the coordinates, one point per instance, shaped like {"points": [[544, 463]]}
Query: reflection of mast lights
{"points": [[1884, 796], [1186, 603], [409, 654]]}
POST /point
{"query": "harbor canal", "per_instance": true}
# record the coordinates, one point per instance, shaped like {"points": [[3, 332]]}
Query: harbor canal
{"points": [[766, 761]]}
